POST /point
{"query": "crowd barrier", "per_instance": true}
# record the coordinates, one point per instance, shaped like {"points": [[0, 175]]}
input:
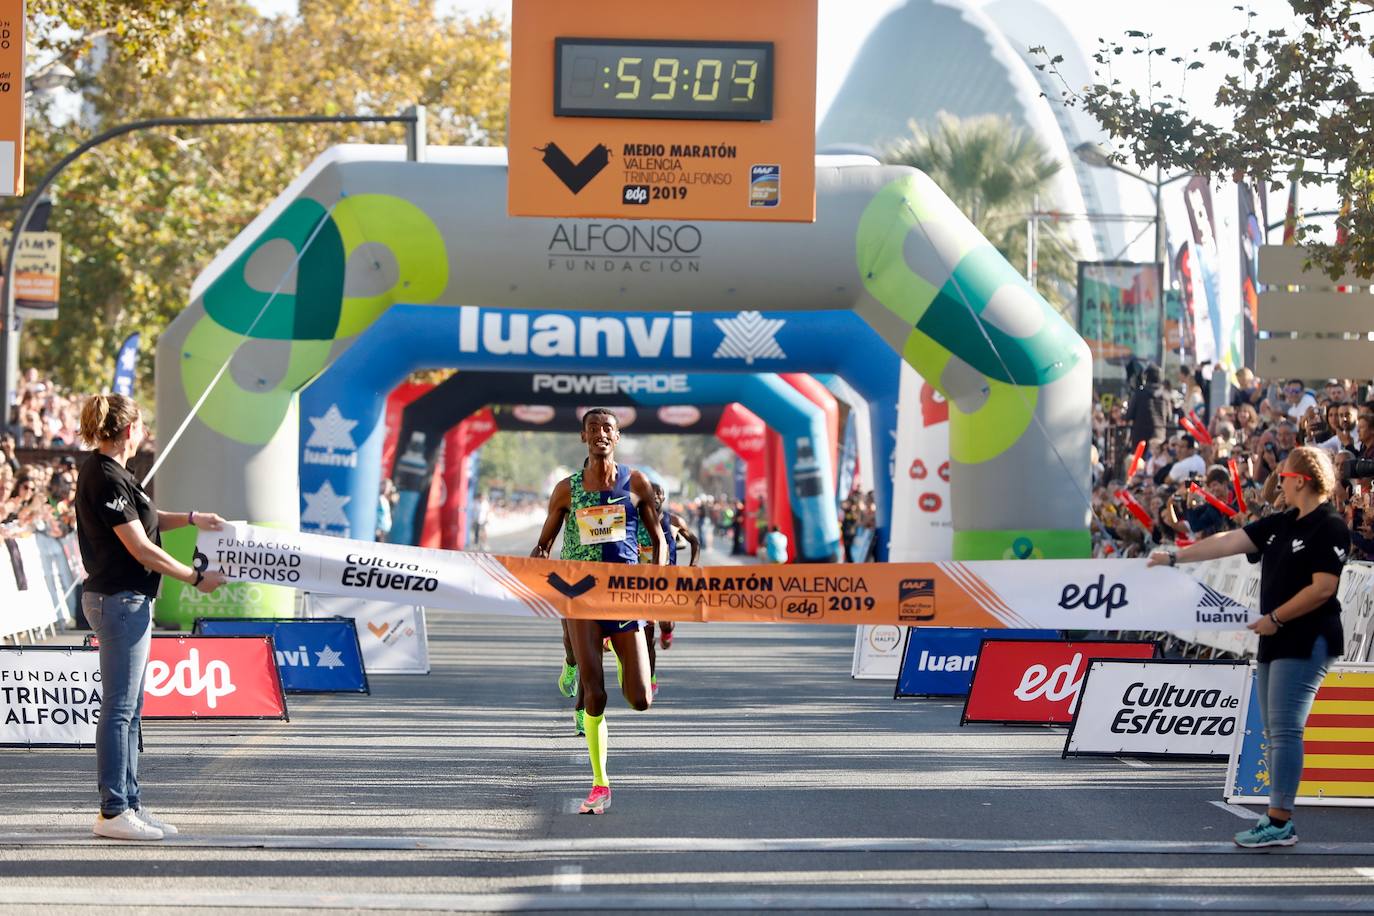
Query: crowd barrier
{"points": [[1239, 579], [38, 577]]}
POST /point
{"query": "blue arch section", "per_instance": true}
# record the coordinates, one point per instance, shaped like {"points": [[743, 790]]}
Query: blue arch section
{"points": [[348, 398], [343, 409]]}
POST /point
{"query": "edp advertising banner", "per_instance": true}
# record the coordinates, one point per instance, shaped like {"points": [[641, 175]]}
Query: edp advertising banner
{"points": [[211, 677], [313, 656], [939, 661], [219, 677], [1027, 681], [1158, 708]]}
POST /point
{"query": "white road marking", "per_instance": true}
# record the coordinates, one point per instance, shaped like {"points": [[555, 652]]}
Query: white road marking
{"points": [[1137, 764], [568, 878], [1243, 813], [649, 845], [668, 900]]}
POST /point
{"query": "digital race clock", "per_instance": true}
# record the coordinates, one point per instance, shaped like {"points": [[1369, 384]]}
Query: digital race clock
{"points": [[686, 80]]}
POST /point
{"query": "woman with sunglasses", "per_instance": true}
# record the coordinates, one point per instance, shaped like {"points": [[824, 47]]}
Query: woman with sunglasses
{"points": [[119, 534], [1302, 550]]}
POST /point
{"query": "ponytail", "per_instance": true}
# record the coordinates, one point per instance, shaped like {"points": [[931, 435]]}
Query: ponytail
{"points": [[105, 417]]}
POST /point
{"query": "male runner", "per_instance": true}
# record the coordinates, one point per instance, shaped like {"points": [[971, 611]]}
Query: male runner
{"points": [[600, 509], [674, 527]]}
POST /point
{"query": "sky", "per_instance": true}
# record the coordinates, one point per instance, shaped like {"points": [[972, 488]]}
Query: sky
{"points": [[844, 24], [1179, 25]]}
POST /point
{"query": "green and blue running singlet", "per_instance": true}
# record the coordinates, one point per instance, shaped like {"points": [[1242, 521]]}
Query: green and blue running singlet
{"points": [[603, 527]]}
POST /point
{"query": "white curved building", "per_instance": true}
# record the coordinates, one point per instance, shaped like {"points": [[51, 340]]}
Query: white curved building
{"points": [[933, 56]]}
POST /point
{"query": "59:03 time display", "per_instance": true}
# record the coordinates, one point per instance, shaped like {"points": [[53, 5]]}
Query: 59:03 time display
{"points": [[616, 78]]}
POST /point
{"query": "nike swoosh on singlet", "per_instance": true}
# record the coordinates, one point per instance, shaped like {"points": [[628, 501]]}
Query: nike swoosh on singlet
{"points": [[616, 499]]}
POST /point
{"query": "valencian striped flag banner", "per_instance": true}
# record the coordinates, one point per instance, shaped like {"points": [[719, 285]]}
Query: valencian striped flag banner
{"points": [[1037, 594], [1338, 745]]}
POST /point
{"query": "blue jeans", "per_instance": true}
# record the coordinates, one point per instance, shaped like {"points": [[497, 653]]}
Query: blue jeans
{"points": [[124, 623], [1286, 688]]}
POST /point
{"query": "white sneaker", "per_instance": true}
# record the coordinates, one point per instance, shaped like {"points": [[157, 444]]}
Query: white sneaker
{"points": [[151, 820], [126, 826]]}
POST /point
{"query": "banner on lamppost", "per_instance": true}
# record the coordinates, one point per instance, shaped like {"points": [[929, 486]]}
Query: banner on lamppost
{"points": [[1120, 314], [37, 272], [1253, 214], [125, 365]]}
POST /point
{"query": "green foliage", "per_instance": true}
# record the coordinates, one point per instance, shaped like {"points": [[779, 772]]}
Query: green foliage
{"points": [[147, 33], [1294, 110], [143, 215], [994, 173]]}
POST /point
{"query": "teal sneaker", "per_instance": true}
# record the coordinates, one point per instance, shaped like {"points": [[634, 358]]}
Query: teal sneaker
{"points": [[580, 721], [567, 681], [1265, 834]]}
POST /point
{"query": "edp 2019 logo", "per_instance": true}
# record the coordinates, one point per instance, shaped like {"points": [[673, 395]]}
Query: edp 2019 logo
{"points": [[1094, 596]]}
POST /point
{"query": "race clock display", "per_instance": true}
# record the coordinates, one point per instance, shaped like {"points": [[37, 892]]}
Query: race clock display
{"points": [[684, 80]]}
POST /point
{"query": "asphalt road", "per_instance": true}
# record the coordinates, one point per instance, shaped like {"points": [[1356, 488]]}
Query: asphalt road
{"points": [[763, 779]]}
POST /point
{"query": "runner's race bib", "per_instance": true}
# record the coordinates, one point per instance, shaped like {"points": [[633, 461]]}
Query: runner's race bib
{"points": [[601, 524]]}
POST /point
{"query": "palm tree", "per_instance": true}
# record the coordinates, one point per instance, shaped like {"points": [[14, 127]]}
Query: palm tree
{"points": [[995, 172]]}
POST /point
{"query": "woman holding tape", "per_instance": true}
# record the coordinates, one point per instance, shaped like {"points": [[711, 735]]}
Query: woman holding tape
{"points": [[1302, 551], [118, 530]]}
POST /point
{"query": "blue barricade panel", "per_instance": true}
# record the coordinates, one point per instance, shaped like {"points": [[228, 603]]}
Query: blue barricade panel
{"points": [[939, 661], [314, 656]]}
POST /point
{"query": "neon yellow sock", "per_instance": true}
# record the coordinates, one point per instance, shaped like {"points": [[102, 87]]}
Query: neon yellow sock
{"points": [[596, 747]]}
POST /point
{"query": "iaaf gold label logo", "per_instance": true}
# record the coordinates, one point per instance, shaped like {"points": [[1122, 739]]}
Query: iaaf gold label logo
{"points": [[916, 599]]}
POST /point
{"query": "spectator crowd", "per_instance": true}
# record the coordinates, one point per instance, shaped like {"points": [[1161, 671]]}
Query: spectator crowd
{"points": [[1172, 467], [37, 490]]}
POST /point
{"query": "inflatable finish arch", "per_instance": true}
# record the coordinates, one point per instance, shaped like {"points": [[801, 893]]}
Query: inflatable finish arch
{"points": [[362, 230]]}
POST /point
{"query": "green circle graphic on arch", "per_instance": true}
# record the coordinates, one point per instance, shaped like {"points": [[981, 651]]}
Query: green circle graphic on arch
{"points": [[292, 285]]}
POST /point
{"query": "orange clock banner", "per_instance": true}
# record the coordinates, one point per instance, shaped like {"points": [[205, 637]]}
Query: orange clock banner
{"points": [[624, 109]]}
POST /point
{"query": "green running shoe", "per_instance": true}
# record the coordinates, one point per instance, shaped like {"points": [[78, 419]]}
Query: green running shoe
{"points": [[1265, 834], [567, 681], [580, 722]]}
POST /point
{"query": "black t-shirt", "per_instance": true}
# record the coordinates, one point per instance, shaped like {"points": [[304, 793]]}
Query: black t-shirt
{"points": [[108, 496], [1292, 549]]}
